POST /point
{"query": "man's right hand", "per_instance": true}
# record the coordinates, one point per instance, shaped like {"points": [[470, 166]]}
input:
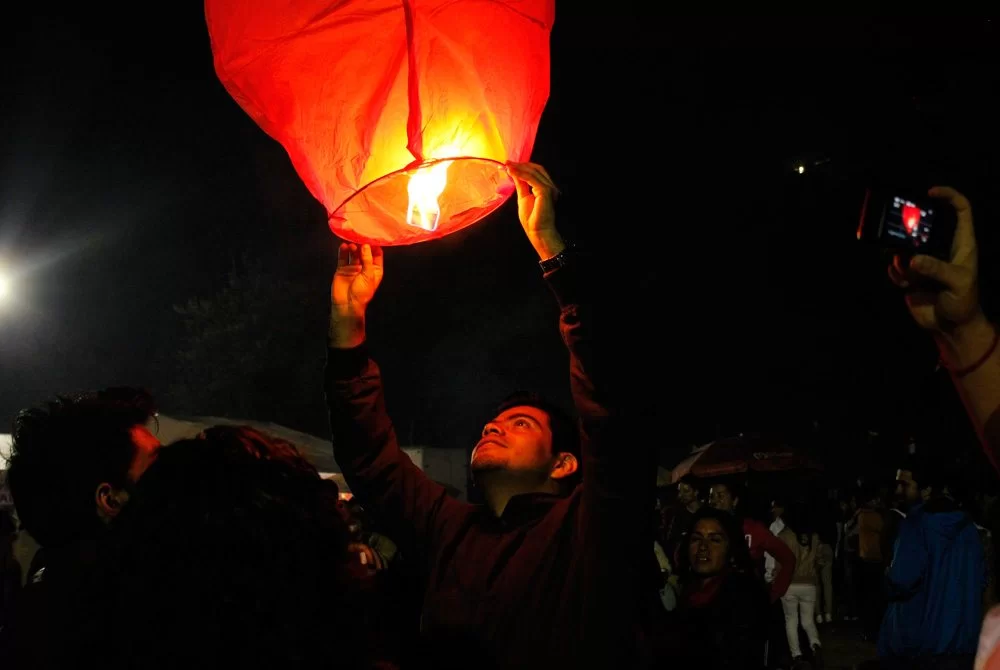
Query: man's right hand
{"points": [[359, 273], [952, 313]]}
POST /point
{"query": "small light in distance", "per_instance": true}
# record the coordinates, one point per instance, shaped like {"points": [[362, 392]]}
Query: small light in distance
{"points": [[800, 168], [4, 287]]}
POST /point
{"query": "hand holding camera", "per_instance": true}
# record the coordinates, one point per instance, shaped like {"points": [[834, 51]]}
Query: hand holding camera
{"points": [[942, 289]]}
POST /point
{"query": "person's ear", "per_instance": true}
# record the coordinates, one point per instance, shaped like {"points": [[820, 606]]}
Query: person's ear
{"points": [[109, 501], [566, 464]]}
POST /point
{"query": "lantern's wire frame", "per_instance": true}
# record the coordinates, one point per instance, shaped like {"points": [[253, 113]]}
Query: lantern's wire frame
{"points": [[412, 167]]}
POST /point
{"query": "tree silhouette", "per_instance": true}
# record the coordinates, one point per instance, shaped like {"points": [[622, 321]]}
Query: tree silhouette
{"points": [[253, 350]]}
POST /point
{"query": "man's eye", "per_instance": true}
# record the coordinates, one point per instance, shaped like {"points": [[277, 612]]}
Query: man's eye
{"points": [[521, 423]]}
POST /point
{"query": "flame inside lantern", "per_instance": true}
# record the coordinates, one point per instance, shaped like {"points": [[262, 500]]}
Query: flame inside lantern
{"points": [[424, 189]]}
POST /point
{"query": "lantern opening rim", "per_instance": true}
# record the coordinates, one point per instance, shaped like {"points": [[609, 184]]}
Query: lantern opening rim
{"points": [[412, 167]]}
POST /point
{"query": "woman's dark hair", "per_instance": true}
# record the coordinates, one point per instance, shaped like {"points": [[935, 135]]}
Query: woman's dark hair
{"points": [[739, 553], [232, 551]]}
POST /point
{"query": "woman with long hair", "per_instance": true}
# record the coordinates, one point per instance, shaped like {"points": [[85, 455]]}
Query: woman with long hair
{"points": [[723, 603]]}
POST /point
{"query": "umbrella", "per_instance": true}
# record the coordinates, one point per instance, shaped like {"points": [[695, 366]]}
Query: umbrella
{"points": [[740, 454]]}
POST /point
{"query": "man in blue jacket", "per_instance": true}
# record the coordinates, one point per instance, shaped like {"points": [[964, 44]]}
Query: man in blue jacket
{"points": [[935, 586]]}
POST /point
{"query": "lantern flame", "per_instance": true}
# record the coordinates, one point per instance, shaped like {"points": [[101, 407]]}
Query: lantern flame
{"points": [[425, 187]]}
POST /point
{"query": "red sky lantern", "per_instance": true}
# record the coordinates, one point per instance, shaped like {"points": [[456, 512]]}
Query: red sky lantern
{"points": [[397, 114]]}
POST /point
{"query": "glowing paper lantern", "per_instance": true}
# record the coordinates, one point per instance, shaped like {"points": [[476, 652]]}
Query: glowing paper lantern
{"points": [[372, 97], [911, 217]]}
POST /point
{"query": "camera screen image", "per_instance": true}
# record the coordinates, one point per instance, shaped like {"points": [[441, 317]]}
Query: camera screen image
{"points": [[907, 223]]}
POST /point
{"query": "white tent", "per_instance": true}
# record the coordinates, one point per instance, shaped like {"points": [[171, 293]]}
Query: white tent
{"points": [[4, 450], [447, 466], [318, 451], [6, 502]]}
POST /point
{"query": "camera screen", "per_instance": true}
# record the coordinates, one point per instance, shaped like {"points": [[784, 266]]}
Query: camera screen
{"points": [[907, 223]]}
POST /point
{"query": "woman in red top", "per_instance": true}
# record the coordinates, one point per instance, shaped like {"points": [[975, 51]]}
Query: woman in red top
{"points": [[759, 539]]}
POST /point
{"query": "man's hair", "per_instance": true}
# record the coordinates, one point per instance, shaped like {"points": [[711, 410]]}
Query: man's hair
{"points": [[739, 553], [927, 475], [255, 444], [734, 488], [565, 429], [230, 552], [691, 481], [63, 450]]}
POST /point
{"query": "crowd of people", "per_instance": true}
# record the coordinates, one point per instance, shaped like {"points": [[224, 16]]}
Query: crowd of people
{"points": [[229, 549], [917, 588]]}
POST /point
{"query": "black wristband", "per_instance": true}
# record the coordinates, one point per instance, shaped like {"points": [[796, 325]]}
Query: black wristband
{"points": [[564, 257]]}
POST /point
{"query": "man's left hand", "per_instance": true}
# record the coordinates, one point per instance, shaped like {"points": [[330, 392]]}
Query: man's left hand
{"points": [[536, 194]]}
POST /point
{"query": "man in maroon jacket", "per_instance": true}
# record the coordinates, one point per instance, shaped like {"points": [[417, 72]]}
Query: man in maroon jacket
{"points": [[546, 574]]}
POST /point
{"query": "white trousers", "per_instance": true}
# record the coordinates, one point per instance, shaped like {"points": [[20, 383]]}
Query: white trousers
{"points": [[799, 603]]}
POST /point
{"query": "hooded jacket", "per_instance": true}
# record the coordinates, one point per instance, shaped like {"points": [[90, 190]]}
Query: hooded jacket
{"points": [[935, 584]]}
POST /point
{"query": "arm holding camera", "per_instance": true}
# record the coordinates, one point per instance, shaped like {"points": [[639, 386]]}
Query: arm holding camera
{"points": [[951, 311]]}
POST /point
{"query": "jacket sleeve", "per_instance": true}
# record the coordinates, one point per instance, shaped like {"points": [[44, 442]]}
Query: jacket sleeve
{"points": [[615, 498], [909, 561], [408, 504], [614, 468], [784, 557]]}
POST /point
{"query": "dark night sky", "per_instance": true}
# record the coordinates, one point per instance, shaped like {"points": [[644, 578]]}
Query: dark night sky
{"points": [[130, 182]]}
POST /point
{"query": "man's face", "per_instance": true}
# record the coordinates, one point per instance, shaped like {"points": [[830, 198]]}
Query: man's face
{"points": [[686, 494], [907, 490], [721, 498], [146, 449], [518, 440], [777, 511], [111, 499]]}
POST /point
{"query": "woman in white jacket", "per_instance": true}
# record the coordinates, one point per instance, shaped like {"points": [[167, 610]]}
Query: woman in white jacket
{"points": [[799, 602]]}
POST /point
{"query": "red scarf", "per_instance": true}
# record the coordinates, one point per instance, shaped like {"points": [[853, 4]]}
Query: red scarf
{"points": [[703, 595]]}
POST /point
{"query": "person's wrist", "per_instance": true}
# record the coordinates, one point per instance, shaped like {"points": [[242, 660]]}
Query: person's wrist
{"points": [[346, 330], [547, 243], [966, 343]]}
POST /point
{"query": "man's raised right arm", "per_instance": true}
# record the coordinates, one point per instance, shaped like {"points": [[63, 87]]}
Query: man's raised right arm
{"points": [[383, 478]]}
